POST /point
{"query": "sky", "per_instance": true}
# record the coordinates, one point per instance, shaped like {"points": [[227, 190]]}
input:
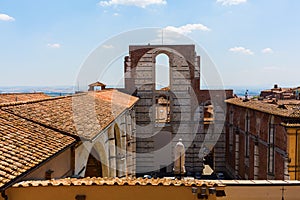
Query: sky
{"points": [[251, 42]]}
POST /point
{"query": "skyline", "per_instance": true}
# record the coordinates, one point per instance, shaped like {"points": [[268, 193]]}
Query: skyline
{"points": [[46, 43]]}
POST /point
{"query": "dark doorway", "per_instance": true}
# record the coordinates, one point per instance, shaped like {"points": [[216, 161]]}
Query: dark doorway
{"points": [[209, 159], [93, 166]]}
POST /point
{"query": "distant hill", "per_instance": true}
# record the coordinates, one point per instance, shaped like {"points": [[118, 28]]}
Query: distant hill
{"points": [[63, 90], [52, 90]]}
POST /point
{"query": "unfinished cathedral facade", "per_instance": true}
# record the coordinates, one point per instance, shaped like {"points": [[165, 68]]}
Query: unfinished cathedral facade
{"points": [[165, 115]]}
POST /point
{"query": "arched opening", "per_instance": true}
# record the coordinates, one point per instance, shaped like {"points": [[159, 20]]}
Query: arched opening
{"points": [[208, 112], [162, 71], [271, 147], [94, 165], [247, 135], [117, 137]]}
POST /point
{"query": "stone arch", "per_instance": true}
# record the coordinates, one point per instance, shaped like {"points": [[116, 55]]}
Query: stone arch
{"points": [[115, 148], [175, 59], [93, 165], [97, 162], [117, 136], [118, 148], [184, 87]]}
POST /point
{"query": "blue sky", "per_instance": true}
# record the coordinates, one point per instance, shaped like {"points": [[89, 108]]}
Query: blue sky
{"points": [[251, 42]]}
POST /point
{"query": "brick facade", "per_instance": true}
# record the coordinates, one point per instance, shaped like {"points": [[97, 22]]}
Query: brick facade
{"points": [[256, 138]]}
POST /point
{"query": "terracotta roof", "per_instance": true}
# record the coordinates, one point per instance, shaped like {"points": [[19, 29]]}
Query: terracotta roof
{"points": [[24, 145], [291, 111], [115, 97], [15, 97], [83, 115], [118, 181], [291, 125], [152, 182], [165, 88]]}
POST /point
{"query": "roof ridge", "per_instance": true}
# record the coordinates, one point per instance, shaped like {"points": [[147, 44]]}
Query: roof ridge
{"points": [[38, 100]]}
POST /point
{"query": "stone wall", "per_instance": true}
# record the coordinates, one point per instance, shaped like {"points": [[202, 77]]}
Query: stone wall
{"points": [[157, 141], [115, 147]]}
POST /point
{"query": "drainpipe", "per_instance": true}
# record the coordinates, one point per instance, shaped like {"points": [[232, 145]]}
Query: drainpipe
{"points": [[4, 196], [296, 155]]}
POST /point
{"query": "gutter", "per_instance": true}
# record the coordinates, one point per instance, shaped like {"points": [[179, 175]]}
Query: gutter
{"points": [[4, 196]]}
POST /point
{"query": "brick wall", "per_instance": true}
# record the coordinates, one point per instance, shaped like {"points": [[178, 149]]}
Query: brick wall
{"points": [[258, 135]]}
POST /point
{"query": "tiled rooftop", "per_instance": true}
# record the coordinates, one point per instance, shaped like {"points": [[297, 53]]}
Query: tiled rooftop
{"points": [[16, 97], [88, 181], [118, 181], [291, 108], [291, 125], [115, 97], [24, 145], [83, 115]]}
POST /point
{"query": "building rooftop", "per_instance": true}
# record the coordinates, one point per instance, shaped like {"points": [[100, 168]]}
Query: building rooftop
{"points": [[16, 97], [281, 93], [83, 115], [283, 108], [25, 145], [98, 181]]}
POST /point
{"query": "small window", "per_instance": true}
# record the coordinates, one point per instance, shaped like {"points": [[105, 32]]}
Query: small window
{"points": [[48, 174], [80, 197], [162, 110]]}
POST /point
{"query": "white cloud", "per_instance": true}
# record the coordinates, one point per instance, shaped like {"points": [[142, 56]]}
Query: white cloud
{"points": [[267, 51], [54, 46], [5, 17], [108, 46], [231, 2], [116, 14], [187, 28], [138, 3], [241, 50]]}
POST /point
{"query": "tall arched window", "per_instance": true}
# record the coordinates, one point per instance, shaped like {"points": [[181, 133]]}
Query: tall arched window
{"points": [[118, 155], [231, 127], [162, 71], [271, 141], [247, 132]]}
